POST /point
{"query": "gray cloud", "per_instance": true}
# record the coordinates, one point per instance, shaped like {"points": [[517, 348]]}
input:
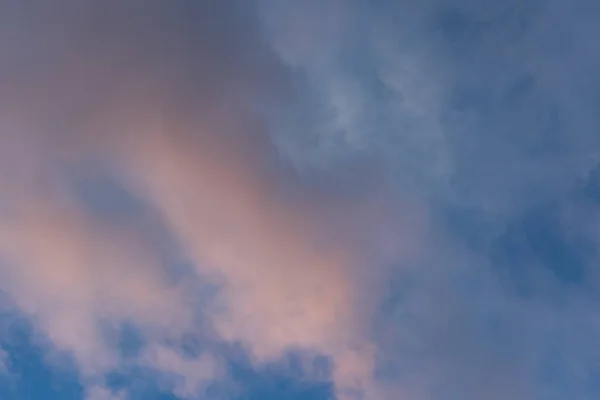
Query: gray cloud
{"points": [[486, 110]]}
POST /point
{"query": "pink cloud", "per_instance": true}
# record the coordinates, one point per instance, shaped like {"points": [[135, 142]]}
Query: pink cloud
{"points": [[292, 272]]}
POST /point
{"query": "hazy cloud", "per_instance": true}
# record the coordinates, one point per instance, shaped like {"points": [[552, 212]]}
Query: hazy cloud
{"points": [[3, 361], [172, 118], [405, 189]]}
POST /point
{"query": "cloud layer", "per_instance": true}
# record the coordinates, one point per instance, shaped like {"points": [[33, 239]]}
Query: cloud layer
{"points": [[175, 118], [406, 190]]}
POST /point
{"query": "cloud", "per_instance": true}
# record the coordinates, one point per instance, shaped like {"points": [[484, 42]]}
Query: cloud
{"points": [[487, 111], [288, 270], [373, 183], [66, 273], [3, 361], [191, 375], [169, 112], [101, 393], [70, 272]]}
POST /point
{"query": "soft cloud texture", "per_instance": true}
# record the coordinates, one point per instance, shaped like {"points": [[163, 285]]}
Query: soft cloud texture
{"points": [[286, 268], [3, 361], [408, 190], [487, 111]]}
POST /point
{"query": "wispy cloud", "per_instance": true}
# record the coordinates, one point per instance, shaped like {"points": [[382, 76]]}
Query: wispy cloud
{"points": [[289, 269], [407, 190], [486, 110]]}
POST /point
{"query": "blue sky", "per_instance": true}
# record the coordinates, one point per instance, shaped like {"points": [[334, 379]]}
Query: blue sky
{"points": [[299, 200]]}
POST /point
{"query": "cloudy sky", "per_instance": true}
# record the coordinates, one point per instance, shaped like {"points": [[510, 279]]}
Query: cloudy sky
{"points": [[299, 200]]}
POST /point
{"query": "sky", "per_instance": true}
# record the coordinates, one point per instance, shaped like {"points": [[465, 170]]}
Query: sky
{"points": [[299, 200]]}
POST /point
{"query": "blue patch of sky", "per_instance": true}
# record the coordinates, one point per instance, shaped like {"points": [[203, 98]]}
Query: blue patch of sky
{"points": [[31, 377]]}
